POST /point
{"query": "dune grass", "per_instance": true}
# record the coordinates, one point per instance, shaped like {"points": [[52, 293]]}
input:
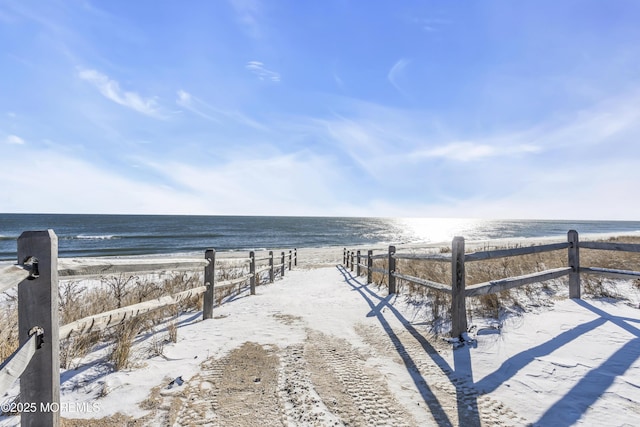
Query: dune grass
{"points": [[78, 299], [437, 305]]}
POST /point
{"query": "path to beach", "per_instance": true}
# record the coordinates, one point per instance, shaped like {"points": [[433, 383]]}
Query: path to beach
{"points": [[322, 348], [327, 356], [317, 348]]}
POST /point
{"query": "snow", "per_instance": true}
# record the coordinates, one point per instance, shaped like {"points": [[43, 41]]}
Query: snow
{"points": [[576, 362]]}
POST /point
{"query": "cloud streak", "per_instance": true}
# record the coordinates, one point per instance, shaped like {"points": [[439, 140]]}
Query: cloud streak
{"points": [[396, 73], [471, 151], [14, 140], [201, 108], [188, 102], [258, 68], [111, 90]]}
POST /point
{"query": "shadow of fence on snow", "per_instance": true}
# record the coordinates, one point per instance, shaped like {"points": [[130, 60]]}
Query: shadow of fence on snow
{"points": [[566, 411], [467, 408]]}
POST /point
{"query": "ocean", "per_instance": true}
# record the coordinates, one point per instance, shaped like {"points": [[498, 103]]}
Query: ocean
{"points": [[119, 235]]}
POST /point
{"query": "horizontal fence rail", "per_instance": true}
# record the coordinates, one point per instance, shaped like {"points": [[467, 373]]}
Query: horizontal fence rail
{"points": [[12, 275], [83, 268], [15, 365], [233, 282], [364, 261], [607, 246], [423, 282], [36, 361], [612, 273], [424, 257], [495, 286], [505, 253], [98, 322]]}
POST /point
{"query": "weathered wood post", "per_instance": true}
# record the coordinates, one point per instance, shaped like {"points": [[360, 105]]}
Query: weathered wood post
{"points": [[344, 256], [252, 272], [369, 265], [290, 258], [295, 257], [346, 264], [458, 298], [574, 263], [392, 270], [358, 263], [271, 272], [283, 265], [209, 279], [38, 307]]}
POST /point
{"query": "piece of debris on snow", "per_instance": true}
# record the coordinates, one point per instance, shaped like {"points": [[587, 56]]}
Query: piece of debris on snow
{"points": [[176, 382]]}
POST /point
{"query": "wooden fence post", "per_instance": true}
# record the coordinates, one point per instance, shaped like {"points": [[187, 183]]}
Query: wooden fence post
{"points": [[290, 257], [271, 272], [252, 272], [358, 263], [209, 280], [344, 256], [38, 306], [392, 270], [351, 261], [574, 263], [458, 298], [369, 265], [282, 268], [346, 264], [295, 257]]}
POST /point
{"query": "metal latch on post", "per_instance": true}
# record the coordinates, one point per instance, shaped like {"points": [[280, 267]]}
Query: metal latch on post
{"points": [[31, 264], [39, 332]]}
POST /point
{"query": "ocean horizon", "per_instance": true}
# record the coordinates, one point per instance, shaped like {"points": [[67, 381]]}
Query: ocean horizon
{"points": [[121, 235]]}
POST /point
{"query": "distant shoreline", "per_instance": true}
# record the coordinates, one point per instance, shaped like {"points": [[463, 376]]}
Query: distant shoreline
{"points": [[326, 255], [166, 236]]}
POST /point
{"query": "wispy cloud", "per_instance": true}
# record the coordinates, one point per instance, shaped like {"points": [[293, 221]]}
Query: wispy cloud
{"points": [[111, 90], [470, 151], [203, 109], [188, 102], [14, 139], [396, 72], [57, 175], [258, 68], [250, 182], [614, 119]]}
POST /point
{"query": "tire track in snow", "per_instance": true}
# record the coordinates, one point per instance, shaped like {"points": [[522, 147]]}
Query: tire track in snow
{"points": [[302, 403], [241, 389], [350, 390], [199, 401]]}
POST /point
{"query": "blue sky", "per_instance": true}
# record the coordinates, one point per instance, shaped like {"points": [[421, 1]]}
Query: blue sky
{"points": [[489, 109]]}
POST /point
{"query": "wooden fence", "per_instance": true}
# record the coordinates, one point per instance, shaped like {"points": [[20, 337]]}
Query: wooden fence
{"points": [[457, 258], [36, 361]]}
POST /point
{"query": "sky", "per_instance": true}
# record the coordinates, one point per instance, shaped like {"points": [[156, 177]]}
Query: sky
{"points": [[471, 109]]}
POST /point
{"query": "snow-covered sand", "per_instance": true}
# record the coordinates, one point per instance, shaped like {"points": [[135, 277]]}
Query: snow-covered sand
{"points": [[321, 347]]}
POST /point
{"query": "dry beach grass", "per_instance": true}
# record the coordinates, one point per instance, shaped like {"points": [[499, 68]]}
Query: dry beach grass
{"points": [[494, 305]]}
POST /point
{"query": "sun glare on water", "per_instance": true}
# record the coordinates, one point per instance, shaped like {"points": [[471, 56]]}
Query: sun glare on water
{"points": [[435, 230]]}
